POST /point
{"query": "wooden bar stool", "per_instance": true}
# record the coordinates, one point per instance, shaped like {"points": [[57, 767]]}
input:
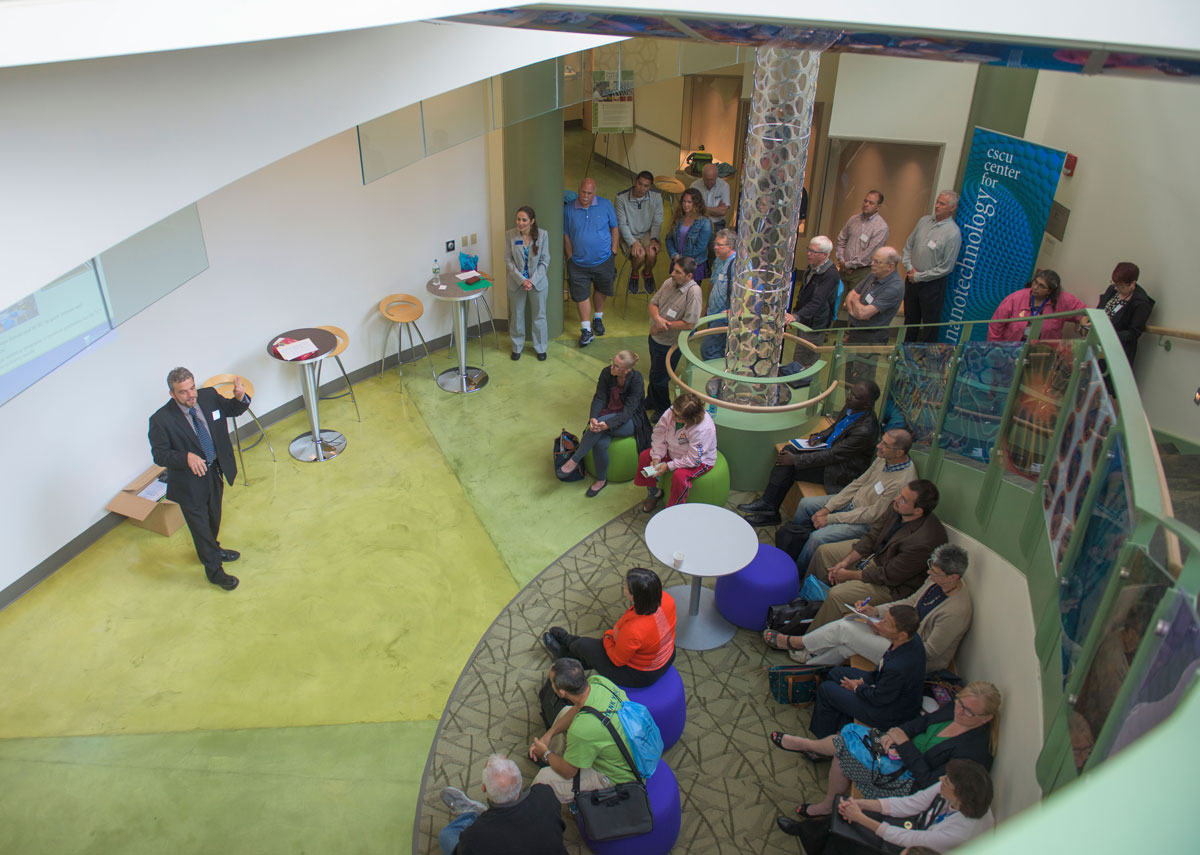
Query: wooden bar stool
{"points": [[403, 311], [223, 383], [336, 353]]}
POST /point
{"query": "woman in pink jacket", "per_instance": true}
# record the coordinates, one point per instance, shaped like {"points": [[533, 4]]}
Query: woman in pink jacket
{"points": [[1044, 296], [684, 443]]}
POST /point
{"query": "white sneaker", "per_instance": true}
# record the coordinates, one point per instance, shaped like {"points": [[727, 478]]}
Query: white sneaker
{"points": [[800, 655], [460, 803]]}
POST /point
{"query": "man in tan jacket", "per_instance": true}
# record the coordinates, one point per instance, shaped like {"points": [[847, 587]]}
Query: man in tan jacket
{"points": [[849, 514]]}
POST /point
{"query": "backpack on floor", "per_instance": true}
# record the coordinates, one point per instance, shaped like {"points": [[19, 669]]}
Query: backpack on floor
{"points": [[564, 447]]}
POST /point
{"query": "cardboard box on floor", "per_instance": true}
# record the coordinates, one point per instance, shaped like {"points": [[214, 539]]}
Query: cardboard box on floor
{"points": [[163, 516]]}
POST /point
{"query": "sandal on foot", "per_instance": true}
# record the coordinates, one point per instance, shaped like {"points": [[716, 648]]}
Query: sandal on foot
{"points": [[803, 810], [771, 637], [777, 739]]}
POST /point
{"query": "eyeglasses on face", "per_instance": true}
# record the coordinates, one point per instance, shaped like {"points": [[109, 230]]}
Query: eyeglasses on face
{"points": [[967, 711]]}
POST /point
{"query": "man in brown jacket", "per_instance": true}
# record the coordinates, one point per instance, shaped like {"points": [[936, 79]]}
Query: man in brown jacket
{"points": [[889, 562]]}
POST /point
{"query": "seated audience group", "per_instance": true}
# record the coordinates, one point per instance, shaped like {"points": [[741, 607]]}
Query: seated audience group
{"points": [[895, 588]]}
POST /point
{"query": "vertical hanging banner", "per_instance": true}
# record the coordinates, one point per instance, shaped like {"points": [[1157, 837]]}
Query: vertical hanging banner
{"points": [[612, 101], [1004, 203]]}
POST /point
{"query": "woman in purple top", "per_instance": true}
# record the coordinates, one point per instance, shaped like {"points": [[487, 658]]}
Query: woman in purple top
{"points": [[690, 231]]}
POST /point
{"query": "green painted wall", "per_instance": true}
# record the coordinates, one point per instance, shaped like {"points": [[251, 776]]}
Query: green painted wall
{"points": [[1001, 103], [533, 169]]}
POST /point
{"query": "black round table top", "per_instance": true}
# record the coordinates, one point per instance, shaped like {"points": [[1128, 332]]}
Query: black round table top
{"points": [[323, 340]]}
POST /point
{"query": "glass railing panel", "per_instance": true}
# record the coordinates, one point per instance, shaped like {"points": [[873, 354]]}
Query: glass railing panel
{"points": [[1076, 458], [1170, 668], [457, 116], [1142, 584], [1108, 525], [977, 400], [525, 92], [919, 387], [574, 71], [1044, 381], [391, 142]]}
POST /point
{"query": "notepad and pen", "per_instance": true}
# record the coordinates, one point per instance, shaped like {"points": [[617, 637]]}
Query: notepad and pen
{"points": [[802, 444], [862, 615]]}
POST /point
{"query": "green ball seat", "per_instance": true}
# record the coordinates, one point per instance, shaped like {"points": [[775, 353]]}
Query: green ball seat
{"points": [[622, 459], [711, 488]]}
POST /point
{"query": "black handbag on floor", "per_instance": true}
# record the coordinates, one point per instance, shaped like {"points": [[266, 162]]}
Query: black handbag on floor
{"points": [[564, 448], [622, 810], [792, 618]]}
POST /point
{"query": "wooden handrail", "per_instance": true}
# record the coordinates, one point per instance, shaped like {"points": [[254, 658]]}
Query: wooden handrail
{"points": [[1171, 332]]}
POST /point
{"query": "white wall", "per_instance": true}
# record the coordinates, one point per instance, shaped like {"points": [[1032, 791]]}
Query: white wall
{"points": [[910, 100], [299, 243], [92, 152], [999, 648], [1131, 199]]}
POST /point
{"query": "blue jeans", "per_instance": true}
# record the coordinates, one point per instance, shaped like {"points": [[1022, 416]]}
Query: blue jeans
{"points": [[448, 836], [831, 533], [713, 346], [597, 443]]}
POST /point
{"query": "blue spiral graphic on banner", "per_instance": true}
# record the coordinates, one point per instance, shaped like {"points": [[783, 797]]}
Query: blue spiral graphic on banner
{"points": [[1006, 194]]}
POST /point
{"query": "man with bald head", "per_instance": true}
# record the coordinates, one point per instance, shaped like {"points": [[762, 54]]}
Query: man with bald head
{"points": [[873, 303], [715, 191], [590, 238]]}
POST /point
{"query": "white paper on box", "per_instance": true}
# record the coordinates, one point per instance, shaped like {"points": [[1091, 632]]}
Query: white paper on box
{"points": [[154, 491]]}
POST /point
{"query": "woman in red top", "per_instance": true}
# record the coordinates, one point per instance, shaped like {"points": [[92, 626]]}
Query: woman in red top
{"points": [[635, 652]]}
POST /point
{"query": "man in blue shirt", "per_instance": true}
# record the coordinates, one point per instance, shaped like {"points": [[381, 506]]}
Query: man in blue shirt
{"points": [[713, 346], [590, 237]]}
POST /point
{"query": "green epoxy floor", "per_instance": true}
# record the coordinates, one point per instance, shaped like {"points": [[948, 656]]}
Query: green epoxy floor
{"points": [[146, 710]]}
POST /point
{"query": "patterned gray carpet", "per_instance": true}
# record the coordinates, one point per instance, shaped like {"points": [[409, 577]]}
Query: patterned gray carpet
{"points": [[733, 782]]}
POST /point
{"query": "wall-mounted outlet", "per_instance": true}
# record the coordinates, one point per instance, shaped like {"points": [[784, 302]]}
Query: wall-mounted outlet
{"points": [[464, 241], [449, 246], [473, 238]]}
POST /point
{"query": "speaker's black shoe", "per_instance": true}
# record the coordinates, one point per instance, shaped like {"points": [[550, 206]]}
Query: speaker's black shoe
{"points": [[230, 555], [764, 519], [224, 580]]}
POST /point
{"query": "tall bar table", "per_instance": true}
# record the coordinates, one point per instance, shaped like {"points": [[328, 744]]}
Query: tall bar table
{"points": [[447, 288], [306, 448]]}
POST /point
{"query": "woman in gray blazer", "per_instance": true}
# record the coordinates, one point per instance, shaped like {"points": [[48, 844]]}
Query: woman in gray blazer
{"points": [[527, 260]]}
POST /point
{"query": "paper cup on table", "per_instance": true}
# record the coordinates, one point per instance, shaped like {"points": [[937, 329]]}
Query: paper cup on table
{"points": [[677, 560]]}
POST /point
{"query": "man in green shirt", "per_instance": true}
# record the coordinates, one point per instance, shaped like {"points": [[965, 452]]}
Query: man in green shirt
{"points": [[590, 750]]}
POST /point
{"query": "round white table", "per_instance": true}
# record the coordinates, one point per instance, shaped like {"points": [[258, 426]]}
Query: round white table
{"points": [[464, 378], [715, 542]]}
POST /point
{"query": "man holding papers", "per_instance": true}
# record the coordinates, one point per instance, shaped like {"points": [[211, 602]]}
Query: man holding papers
{"points": [[834, 456], [189, 437], [943, 606]]}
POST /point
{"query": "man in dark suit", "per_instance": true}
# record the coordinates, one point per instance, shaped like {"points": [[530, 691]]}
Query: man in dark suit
{"points": [[846, 449], [884, 698], [188, 436]]}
